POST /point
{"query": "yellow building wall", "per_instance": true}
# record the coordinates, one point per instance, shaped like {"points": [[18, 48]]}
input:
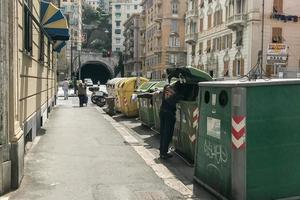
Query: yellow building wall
{"points": [[36, 78]]}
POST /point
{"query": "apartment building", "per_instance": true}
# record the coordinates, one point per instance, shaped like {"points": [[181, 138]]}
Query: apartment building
{"points": [[72, 9], [121, 11], [224, 37], [30, 32], [96, 3], [132, 44], [164, 36]]}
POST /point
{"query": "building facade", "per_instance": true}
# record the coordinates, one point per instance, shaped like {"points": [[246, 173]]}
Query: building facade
{"points": [[132, 61], [28, 82], [72, 9], [225, 37], [164, 36], [121, 11], [96, 3]]}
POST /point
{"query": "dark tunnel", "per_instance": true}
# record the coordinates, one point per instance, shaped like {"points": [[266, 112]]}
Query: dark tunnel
{"points": [[97, 71]]}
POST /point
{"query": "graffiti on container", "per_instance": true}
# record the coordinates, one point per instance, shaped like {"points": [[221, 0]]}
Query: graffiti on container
{"points": [[216, 152]]}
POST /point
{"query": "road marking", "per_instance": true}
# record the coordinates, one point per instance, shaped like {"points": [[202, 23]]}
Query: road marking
{"points": [[160, 170]]}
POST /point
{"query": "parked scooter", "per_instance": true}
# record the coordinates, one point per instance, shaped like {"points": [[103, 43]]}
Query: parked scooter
{"points": [[98, 98]]}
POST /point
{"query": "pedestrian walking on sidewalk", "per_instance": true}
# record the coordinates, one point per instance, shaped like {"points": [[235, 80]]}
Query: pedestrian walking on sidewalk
{"points": [[65, 87], [167, 119], [81, 93]]}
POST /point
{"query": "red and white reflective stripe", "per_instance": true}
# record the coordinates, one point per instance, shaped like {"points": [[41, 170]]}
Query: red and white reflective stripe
{"points": [[193, 138], [125, 101], [238, 132], [195, 118]]}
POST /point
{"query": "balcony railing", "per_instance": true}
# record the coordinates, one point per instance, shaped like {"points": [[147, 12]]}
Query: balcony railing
{"points": [[191, 38], [237, 20], [176, 49]]}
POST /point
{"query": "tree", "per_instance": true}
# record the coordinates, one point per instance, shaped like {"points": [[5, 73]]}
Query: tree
{"points": [[120, 67], [97, 26]]}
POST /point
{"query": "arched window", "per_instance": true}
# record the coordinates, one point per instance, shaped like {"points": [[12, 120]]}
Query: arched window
{"points": [[218, 15], [238, 65], [174, 40], [209, 18]]}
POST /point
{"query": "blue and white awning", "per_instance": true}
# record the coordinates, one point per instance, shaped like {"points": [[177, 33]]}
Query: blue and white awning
{"points": [[58, 45], [54, 22]]}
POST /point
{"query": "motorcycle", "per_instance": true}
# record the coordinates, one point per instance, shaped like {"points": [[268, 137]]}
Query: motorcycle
{"points": [[98, 98]]}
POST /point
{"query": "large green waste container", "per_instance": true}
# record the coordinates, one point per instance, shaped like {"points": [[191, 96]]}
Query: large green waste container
{"points": [[187, 114], [249, 139], [145, 103], [157, 99]]}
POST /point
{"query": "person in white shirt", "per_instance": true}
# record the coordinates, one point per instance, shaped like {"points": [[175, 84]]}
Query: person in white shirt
{"points": [[65, 88]]}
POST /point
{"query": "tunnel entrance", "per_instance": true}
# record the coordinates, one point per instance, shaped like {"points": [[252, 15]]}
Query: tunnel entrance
{"points": [[97, 71]]}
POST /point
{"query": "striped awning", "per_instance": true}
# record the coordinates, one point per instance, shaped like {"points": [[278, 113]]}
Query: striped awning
{"points": [[58, 45], [54, 22]]}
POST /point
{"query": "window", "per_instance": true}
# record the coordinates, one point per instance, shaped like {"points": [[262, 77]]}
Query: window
{"points": [[174, 7], [277, 35], [118, 23], [193, 50], [118, 49], [174, 41], [118, 7], [27, 26], [278, 6], [200, 48], [238, 67], [229, 41], [218, 17], [128, 15], [201, 25], [173, 59], [118, 15], [209, 21], [226, 68], [118, 40], [174, 26], [135, 7], [239, 38], [42, 46], [117, 31], [208, 46]]}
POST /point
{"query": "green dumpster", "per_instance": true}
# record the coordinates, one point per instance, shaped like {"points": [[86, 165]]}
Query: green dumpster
{"points": [[157, 99], [145, 103], [187, 113], [249, 139]]}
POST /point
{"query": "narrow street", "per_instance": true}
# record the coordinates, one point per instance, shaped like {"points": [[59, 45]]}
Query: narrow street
{"points": [[81, 155]]}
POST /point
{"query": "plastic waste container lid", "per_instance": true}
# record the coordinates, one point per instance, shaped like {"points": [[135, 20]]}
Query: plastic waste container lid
{"points": [[188, 75], [145, 87]]}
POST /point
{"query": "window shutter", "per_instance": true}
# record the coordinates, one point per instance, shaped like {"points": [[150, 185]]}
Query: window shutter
{"points": [[242, 67], [234, 68], [209, 21]]}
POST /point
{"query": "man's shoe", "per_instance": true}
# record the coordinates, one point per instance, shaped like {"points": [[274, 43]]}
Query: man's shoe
{"points": [[166, 156]]}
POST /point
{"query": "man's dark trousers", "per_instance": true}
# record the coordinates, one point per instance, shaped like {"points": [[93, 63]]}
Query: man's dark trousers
{"points": [[167, 122]]}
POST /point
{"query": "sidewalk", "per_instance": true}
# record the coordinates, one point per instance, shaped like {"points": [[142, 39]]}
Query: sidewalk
{"points": [[81, 156]]}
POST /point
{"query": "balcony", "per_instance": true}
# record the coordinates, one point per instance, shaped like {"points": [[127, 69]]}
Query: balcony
{"points": [[191, 38], [157, 34], [192, 14], [157, 49], [236, 21], [176, 49]]}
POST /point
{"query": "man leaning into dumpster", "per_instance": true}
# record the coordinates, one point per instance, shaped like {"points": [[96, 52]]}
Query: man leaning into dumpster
{"points": [[167, 116]]}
